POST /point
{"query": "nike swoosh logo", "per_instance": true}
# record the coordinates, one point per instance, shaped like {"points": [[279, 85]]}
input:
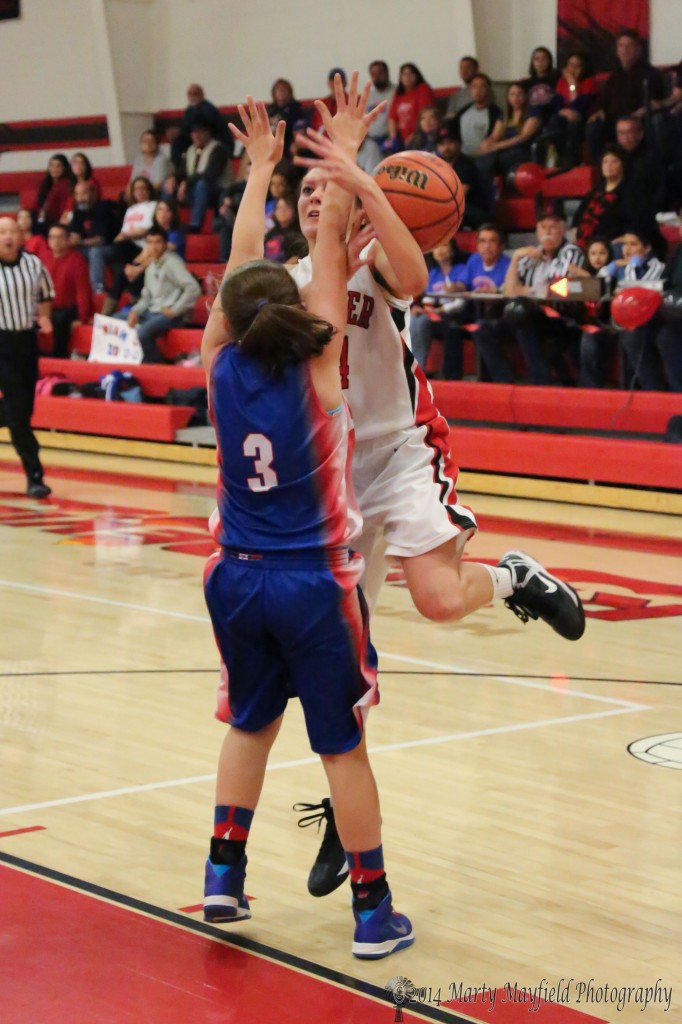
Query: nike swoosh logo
{"points": [[550, 588], [342, 871], [401, 929]]}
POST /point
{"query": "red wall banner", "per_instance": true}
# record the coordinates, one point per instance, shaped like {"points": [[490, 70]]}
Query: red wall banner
{"points": [[591, 27]]}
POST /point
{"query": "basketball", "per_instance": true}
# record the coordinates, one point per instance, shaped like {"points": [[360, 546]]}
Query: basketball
{"points": [[426, 194]]}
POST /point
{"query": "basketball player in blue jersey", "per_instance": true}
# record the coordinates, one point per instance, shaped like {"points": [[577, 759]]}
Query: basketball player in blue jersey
{"points": [[288, 616], [402, 470]]}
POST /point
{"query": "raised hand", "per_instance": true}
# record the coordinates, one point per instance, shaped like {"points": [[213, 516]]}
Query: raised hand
{"points": [[335, 161], [258, 139], [351, 121]]}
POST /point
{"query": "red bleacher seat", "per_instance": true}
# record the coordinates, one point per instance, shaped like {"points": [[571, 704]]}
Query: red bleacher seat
{"points": [[202, 270], [576, 182], [184, 214], [202, 248], [516, 214]]}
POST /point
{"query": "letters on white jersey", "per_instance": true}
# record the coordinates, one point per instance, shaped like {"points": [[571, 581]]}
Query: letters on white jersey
{"points": [[376, 362]]}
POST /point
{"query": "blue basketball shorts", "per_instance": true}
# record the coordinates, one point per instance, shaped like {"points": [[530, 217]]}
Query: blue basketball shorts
{"points": [[294, 628]]}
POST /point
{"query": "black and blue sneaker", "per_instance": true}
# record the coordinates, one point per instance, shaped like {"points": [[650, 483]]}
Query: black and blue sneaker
{"points": [[224, 899], [381, 931], [330, 869]]}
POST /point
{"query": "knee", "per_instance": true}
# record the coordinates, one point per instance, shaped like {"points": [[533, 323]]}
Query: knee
{"points": [[437, 606]]}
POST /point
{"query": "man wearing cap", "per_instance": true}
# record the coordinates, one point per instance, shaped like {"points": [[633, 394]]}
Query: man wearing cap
{"points": [[543, 339], [204, 170], [449, 148], [198, 108]]}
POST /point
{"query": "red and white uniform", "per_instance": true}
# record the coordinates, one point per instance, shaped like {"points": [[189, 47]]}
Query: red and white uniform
{"points": [[403, 475]]}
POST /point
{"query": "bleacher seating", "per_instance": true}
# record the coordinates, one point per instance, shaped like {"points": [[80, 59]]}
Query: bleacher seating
{"points": [[496, 428]]}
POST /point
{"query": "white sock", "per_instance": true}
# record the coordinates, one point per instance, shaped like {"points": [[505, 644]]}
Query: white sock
{"points": [[502, 581]]}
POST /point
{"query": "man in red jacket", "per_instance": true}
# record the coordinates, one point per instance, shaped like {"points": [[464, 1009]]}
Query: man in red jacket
{"points": [[73, 293]]}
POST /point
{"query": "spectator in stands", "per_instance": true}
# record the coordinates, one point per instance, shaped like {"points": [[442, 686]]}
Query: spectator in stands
{"points": [[72, 303], [484, 272], [639, 265], [166, 217], [576, 93], [223, 222], [543, 339], [82, 171], [426, 133], [330, 99], [624, 92], [34, 243], [605, 211], [411, 96], [54, 192], [204, 170], [425, 322], [92, 229], [449, 148], [542, 81], [508, 145], [169, 293], [198, 109], [285, 107], [667, 337], [476, 121], [282, 185], [596, 345], [130, 241], [284, 241], [150, 162], [646, 187], [461, 98], [382, 90]]}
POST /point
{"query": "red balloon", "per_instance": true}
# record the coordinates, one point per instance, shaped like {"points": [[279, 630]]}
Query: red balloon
{"points": [[635, 306], [528, 179]]}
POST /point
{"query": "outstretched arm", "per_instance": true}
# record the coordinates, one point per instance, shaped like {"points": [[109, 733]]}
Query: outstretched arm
{"points": [[265, 150], [396, 255], [326, 295]]}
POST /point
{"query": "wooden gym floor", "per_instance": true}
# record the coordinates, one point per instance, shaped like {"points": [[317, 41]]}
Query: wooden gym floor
{"points": [[531, 848]]}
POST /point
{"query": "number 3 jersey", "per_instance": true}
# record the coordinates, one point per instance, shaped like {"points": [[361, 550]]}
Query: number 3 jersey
{"points": [[284, 461]]}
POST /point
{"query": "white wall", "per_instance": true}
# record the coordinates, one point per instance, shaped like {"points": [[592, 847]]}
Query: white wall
{"points": [[128, 58], [233, 47]]}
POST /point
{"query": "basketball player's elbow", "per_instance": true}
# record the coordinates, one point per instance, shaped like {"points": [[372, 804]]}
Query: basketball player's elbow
{"points": [[414, 279]]}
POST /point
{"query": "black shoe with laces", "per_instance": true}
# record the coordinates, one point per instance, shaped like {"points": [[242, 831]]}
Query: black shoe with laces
{"points": [[37, 489], [330, 869], [539, 595]]}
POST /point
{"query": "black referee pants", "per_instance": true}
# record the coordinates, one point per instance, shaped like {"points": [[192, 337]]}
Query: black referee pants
{"points": [[18, 376]]}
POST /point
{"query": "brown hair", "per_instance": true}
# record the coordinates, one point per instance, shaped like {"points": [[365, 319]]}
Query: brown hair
{"points": [[263, 307]]}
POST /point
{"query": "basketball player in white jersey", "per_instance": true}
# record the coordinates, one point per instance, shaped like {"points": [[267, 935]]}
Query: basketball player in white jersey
{"points": [[402, 472]]}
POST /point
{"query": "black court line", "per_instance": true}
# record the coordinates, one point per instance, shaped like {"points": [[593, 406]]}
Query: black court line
{"points": [[278, 955], [383, 672]]}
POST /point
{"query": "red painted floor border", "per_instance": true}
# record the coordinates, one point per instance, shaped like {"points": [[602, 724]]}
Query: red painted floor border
{"points": [[70, 956]]}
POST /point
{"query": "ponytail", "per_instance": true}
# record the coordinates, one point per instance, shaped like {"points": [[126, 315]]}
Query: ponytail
{"points": [[263, 307]]}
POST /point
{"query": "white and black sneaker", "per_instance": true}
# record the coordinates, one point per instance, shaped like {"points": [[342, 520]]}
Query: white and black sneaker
{"points": [[539, 595], [330, 869]]}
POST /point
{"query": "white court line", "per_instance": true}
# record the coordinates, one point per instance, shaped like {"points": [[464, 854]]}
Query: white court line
{"points": [[385, 748], [102, 600], [623, 707], [547, 687], [395, 657], [383, 654]]}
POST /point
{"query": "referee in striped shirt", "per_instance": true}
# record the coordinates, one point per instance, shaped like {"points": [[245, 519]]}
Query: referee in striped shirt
{"points": [[542, 339], [26, 292]]}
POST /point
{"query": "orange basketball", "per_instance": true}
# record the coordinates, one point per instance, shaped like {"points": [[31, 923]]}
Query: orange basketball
{"points": [[426, 194]]}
